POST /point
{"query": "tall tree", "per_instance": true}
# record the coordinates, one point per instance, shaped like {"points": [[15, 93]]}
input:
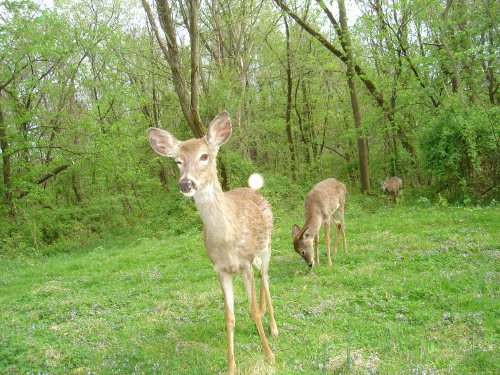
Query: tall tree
{"points": [[345, 55], [188, 98], [6, 167], [288, 111], [361, 138]]}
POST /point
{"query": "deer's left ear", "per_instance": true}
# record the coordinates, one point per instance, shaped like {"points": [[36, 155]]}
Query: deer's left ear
{"points": [[219, 130]]}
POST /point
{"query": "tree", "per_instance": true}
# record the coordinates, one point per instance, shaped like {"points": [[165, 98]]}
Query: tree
{"points": [[347, 58], [188, 99], [361, 139]]}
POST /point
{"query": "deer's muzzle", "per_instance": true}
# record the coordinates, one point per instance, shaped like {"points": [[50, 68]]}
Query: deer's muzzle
{"points": [[187, 186]]}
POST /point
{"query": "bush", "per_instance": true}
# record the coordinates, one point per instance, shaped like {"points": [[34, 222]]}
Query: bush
{"points": [[460, 152]]}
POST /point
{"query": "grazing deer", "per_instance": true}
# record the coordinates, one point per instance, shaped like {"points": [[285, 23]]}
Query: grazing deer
{"points": [[237, 224], [323, 201], [392, 185]]}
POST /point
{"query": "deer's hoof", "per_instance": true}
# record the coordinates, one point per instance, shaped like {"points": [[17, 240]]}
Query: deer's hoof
{"points": [[231, 370], [270, 357], [274, 331]]}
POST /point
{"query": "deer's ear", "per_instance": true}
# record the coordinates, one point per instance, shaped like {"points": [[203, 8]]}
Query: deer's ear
{"points": [[219, 130], [306, 233], [163, 142], [295, 230]]}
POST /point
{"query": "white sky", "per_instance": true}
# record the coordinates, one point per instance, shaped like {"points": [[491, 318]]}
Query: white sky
{"points": [[353, 11]]}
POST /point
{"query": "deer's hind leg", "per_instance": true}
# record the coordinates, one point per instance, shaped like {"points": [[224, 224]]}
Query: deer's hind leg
{"points": [[336, 238], [341, 225], [249, 282], [265, 293]]}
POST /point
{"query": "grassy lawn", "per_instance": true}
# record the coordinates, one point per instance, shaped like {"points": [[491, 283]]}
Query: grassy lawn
{"points": [[417, 294]]}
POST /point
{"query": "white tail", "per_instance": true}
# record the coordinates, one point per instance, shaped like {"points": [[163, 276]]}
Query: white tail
{"points": [[392, 185], [237, 224], [323, 201]]}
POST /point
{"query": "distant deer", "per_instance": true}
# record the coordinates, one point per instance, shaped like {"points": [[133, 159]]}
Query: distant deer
{"points": [[237, 224], [392, 186], [323, 201]]}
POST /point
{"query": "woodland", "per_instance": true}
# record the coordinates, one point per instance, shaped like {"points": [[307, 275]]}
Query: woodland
{"points": [[359, 91], [102, 263]]}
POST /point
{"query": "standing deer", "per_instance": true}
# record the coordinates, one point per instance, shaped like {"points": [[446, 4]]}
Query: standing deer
{"points": [[323, 201], [392, 185], [237, 224]]}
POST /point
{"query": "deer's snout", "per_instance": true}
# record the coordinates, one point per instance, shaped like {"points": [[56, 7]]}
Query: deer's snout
{"points": [[187, 186]]}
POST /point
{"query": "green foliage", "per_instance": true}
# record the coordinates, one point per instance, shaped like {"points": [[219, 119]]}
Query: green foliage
{"points": [[458, 145]]}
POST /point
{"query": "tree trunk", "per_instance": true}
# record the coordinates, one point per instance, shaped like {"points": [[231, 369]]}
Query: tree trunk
{"points": [[489, 64], [172, 55], [194, 36], [361, 139], [288, 114], [455, 82], [7, 177]]}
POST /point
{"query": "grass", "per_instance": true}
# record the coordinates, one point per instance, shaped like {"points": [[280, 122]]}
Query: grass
{"points": [[417, 294]]}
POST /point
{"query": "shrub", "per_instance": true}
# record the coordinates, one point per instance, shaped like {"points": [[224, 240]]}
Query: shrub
{"points": [[460, 151]]}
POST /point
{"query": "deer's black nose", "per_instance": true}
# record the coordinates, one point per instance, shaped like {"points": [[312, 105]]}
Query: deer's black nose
{"points": [[186, 185]]}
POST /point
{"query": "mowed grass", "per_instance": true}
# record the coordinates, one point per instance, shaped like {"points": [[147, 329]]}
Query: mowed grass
{"points": [[417, 294]]}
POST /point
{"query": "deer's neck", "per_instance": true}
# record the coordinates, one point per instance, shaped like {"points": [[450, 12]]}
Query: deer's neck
{"points": [[215, 211], [313, 220]]}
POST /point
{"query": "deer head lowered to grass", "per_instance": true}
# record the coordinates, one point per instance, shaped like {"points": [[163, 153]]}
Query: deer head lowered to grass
{"points": [[237, 224], [323, 201]]}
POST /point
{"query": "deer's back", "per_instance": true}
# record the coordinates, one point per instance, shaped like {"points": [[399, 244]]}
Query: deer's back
{"points": [[393, 184], [250, 205], [326, 196], [254, 218]]}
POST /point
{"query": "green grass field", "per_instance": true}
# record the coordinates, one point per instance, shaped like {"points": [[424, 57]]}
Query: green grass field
{"points": [[417, 294]]}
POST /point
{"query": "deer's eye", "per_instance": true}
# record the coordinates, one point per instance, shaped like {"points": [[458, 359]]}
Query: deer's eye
{"points": [[204, 157], [302, 252], [179, 163]]}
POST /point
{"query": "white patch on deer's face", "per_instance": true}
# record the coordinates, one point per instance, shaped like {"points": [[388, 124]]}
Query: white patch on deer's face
{"points": [[189, 194], [178, 161]]}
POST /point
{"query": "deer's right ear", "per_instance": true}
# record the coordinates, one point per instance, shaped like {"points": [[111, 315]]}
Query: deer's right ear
{"points": [[295, 230], [163, 142], [219, 130]]}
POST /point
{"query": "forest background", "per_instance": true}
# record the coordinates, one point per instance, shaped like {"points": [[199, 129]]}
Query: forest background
{"points": [[102, 267], [406, 88]]}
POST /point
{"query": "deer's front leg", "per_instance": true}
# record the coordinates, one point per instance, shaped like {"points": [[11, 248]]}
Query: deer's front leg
{"points": [[248, 279], [316, 248], [327, 244], [226, 283]]}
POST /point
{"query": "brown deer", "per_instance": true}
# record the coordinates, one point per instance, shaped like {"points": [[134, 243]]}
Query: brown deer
{"points": [[237, 224], [392, 186], [323, 201]]}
